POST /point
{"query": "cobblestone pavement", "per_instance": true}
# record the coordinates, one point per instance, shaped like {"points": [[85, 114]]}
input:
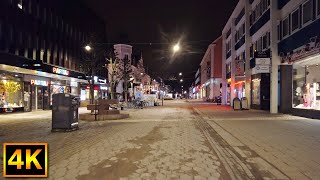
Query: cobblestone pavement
{"points": [[283, 146], [178, 141], [154, 143]]}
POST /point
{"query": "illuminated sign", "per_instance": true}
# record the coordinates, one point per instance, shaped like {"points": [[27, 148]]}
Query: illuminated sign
{"points": [[39, 82], [60, 71], [104, 88]]}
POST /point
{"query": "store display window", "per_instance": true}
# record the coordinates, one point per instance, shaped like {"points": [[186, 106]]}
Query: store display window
{"points": [[256, 91], [11, 92], [306, 86]]}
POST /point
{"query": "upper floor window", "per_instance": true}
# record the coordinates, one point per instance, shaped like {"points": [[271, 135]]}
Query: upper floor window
{"points": [[318, 7], [307, 11], [295, 20], [228, 46], [285, 27], [259, 10]]}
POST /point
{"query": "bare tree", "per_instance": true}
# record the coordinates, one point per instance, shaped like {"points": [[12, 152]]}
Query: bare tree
{"points": [[92, 62], [119, 70]]}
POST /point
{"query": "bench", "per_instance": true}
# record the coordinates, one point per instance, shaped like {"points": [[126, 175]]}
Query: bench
{"points": [[103, 106]]}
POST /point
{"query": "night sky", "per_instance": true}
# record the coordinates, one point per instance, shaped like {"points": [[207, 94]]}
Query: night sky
{"points": [[162, 23]]}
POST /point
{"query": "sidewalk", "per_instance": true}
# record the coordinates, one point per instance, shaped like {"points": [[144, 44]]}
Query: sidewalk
{"points": [[289, 146]]}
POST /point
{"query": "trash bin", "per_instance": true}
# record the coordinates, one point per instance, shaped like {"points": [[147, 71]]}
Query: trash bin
{"points": [[244, 103], [236, 104], [218, 100], [65, 115]]}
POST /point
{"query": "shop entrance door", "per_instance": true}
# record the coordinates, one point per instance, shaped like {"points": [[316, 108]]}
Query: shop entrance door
{"points": [[39, 97]]}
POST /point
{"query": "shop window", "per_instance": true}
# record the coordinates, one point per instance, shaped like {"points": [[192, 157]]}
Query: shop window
{"points": [[306, 87], [11, 93], [285, 27], [256, 91], [295, 22], [307, 12]]}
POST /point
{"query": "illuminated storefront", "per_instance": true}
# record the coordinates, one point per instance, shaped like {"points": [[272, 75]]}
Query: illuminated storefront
{"points": [[11, 93], [300, 83], [29, 85]]}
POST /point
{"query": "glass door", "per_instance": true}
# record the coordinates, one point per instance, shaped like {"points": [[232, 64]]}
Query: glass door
{"points": [[39, 97]]}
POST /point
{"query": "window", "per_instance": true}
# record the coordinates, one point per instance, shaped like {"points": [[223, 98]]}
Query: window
{"points": [[243, 28], [269, 39], [251, 51], [38, 11], [30, 7], [318, 7], [265, 41], [307, 11], [279, 33], [295, 20], [10, 33], [44, 15], [0, 29], [285, 27]]}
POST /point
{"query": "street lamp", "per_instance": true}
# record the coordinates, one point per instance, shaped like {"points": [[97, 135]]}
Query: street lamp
{"points": [[180, 74], [176, 48], [181, 80], [87, 48], [141, 74]]}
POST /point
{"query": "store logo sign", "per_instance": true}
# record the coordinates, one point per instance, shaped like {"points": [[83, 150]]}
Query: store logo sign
{"points": [[25, 160], [39, 82], [60, 71]]}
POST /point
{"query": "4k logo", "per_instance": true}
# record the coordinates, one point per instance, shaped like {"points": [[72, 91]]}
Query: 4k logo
{"points": [[25, 160]]}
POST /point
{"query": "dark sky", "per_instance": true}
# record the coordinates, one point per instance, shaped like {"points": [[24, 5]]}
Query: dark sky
{"points": [[196, 23]]}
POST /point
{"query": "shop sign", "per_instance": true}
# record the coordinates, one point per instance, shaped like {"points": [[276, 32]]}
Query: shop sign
{"points": [[60, 71], [263, 61], [309, 49], [262, 54], [103, 87], [39, 82], [261, 69], [262, 57], [102, 80]]}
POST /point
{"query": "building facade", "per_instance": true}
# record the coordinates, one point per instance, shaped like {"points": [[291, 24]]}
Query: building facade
{"points": [[40, 51], [267, 47], [211, 72], [196, 90]]}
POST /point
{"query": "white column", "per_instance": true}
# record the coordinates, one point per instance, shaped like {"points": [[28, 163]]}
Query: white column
{"points": [[224, 80], [233, 63], [275, 59], [247, 57]]}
